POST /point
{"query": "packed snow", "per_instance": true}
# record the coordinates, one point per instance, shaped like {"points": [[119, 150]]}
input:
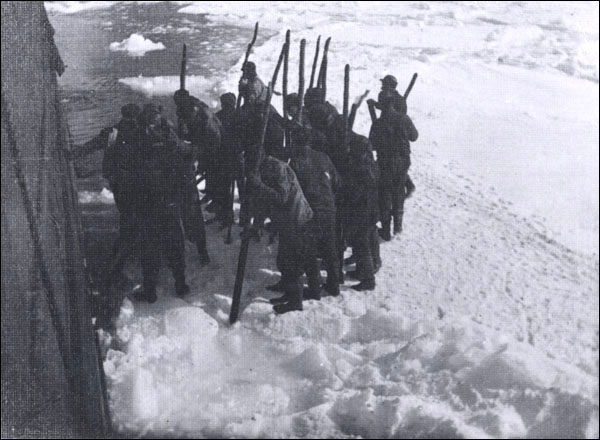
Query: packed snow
{"points": [[136, 45], [167, 85], [484, 322]]}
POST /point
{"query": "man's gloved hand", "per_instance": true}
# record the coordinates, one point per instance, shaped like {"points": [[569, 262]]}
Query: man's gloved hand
{"points": [[373, 103]]}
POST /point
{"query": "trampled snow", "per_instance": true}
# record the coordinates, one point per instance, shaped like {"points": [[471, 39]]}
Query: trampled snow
{"points": [[136, 45], [484, 322]]}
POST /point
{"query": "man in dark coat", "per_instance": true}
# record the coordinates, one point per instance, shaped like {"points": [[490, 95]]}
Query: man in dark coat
{"points": [[118, 168], [249, 127], [320, 183], [274, 183], [203, 130], [160, 183], [251, 87], [388, 85], [230, 159], [360, 210], [391, 135]]}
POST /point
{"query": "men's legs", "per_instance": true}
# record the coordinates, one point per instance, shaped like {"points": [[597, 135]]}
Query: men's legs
{"points": [[150, 259], [331, 258], [174, 248], [409, 186], [311, 264], [193, 221], [385, 204], [374, 243], [399, 195], [364, 259], [294, 268]]}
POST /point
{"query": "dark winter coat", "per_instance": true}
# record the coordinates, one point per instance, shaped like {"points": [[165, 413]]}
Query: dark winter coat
{"points": [[279, 188], [391, 135], [161, 173], [118, 165], [317, 176], [359, 201], [249, 125], [204, 132]]}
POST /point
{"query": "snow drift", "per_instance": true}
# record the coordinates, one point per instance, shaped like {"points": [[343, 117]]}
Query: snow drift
{"points": [[136, 45]]}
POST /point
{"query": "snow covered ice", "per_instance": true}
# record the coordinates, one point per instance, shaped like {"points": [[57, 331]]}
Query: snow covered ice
{"points": [[484, 322], [136, 45]]}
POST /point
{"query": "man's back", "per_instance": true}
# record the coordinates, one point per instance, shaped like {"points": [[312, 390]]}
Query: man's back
{"points": [[317, 176]]}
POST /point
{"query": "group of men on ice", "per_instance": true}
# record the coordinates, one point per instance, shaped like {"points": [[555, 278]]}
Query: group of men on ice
{"points": [[315, 180]]}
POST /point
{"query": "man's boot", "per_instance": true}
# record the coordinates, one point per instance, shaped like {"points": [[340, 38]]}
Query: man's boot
{"points": [[203, 254], [384, 232], [295, 302], [280, 299], [181, 288], [291, 306], [409, 187], [398, 223], [312, 294], [332, 290], [365, 285]]}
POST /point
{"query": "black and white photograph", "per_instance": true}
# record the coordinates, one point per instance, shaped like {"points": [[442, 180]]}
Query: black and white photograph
{"points": [[300, 219]]}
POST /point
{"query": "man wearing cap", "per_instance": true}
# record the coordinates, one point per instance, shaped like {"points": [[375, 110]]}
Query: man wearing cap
{"points": [[251, 86], [275, 184], [359, 210], [203, 130], [230, 162], [118, 168], [388, 85], [390, 136], [320, 182]]}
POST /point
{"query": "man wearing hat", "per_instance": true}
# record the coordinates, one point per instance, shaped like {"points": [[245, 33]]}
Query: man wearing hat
{"points": [[320, 182], [390, 136], [230, 162], [204, 133], [251, 86], [160, 183]]}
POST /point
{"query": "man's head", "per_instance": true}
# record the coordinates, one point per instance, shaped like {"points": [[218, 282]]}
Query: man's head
{"points": [[188, 107], [249, 69], [130, 111], [314, 96], [389, 82], [228, 100], [392, 100], [292, 104], [150, 115]]}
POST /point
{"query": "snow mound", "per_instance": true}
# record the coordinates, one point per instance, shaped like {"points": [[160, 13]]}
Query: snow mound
{"points": [[136, 45], [197, 85]]}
